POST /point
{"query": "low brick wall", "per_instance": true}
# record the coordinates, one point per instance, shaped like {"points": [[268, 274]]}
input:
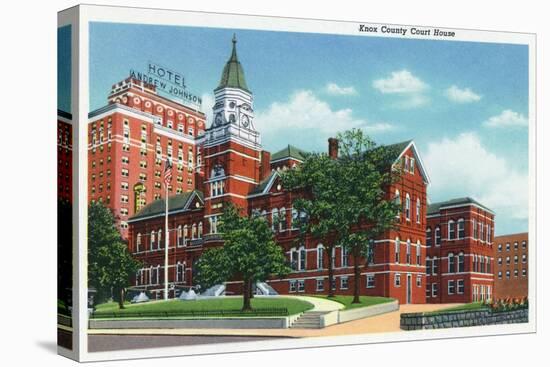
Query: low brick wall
{"points": [[340, 316], [417, 321]]}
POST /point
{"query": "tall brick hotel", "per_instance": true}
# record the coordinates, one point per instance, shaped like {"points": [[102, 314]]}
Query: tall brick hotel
{"points": [[442, 252]]}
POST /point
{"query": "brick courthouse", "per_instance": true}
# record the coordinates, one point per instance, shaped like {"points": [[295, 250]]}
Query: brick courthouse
{"points": [[138, 130]]}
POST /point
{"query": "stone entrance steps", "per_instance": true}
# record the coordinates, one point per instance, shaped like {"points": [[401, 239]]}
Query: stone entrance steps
{"points": [[308, 320]]}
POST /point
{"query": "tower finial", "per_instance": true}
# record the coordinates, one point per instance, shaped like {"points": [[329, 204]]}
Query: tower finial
{"points": [[234, 40]]}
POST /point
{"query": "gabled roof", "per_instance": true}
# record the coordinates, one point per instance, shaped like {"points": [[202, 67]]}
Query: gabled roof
{"points": [[401, 148], [264, 186], [233, 73], [176, 203], [436, 207], [289, 152]]}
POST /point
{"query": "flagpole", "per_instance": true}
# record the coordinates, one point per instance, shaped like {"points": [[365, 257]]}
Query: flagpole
{"points": [[167, 242]]}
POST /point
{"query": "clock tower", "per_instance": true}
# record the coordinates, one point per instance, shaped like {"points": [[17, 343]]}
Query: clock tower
{"points": [[232, 147]]}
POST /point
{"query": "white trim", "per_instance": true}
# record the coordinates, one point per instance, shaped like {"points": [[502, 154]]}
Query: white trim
{"points": [[232, 151], [226, 194], [420, 163]]}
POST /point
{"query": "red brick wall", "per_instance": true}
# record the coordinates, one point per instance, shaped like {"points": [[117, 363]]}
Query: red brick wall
{"points": [[516, 286]]}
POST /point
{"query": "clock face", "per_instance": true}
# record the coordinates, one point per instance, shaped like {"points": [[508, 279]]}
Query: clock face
{"points": [[245, 120], [218, 120]]}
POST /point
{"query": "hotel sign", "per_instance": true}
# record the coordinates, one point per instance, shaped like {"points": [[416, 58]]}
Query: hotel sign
{"points": [[168, 82]]}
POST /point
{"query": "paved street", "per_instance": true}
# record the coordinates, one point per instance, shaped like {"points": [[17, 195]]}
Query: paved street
{"points": [[103, 340]]}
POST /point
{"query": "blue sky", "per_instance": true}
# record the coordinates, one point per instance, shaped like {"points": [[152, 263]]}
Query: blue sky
{"points": [[464, 103], [64, 68]]}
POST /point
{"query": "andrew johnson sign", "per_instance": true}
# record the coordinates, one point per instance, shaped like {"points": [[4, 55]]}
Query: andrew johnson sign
{"points": [[167, 81]]}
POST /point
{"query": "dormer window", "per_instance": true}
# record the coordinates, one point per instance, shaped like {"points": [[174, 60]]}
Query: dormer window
{"points": [[411, 168], [406, 163]]}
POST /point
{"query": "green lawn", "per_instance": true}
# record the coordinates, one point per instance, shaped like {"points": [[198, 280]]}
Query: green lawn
{"points": [[466, 307], [366, 301], [294, 306]]}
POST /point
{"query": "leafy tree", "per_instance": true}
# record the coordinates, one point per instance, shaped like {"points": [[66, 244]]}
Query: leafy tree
{"points": [[64, 254], [249, 253], [110, 265], [366, 206], [316, 182]]}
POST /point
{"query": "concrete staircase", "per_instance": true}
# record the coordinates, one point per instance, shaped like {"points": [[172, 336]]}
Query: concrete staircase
{"points": [[308, 320]]}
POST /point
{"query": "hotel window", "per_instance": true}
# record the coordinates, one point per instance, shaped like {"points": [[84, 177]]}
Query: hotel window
{"points": [[524, 272], [292, 286], [397, 250], [344, 283], [516, 259], [320, 256], [437, 236], [124, 172], [180, 128], [460, 228], [451, 262], [157, 185], [370, 281], [460, 286], [434, 289], [301, 285], [320, 285], [451, 287], [500, 260], [524, 258], [461, 262], [428, 266], [419, 281], [507, 246], [123, 211], [124, 198], [516, 246], [451, 229], [417, 210], [499, 275], [397, 280], [408, 207], [143, 164], [500, 247], [124, 185], [345, 257], [408, 251], [170, 124], [143, 177], [302, 263], [125, 147], [435, 265], [507, 260], [428, 237], [524, 244], [507, 274], [418, 252], [516, 273]]}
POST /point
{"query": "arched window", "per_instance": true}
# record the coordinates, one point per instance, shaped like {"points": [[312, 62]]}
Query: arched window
{"points": [[138, 242], [294, 219], [320, 252], [461, 262], [428, 237], [398, 202], [437, 236], [185, 234], [460, 228], [302, 258], [397, 250], [179, 236], [408, 207], [293, 254], [408, 251], [159, 239], [274, 218], [451, 229], [451, 262], [152, 241], [418, 252], [418, 210], [200, 230], [194, 231], [282, 220]]}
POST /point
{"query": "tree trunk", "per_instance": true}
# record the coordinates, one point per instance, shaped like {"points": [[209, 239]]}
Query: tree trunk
{"points": [[251, 290], [121, 298], [357, 272], [246, 295], [330, 271]]}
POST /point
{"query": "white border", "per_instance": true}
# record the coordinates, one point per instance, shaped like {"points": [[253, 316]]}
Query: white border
{"points": [[88, 13]]}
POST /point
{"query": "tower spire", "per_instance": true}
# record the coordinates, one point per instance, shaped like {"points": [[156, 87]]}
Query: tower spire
{"points": [[233, 74]]}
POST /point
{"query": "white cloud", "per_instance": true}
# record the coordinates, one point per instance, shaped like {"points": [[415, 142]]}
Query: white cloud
{"points": [[507, 118], [304, 110], [457, 95], [462, 166], [207, 104], [402, 82], [336, 90]]}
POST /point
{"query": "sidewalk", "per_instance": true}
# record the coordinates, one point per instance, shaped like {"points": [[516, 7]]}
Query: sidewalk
{"points": [[388, 322]]}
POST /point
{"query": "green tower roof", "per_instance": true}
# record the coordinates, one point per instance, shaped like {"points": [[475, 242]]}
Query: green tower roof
{"points": [[233, 74]]}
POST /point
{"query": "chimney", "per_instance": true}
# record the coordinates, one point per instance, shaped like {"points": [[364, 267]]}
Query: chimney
{"points": [[333, 148], [265, 167]]}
